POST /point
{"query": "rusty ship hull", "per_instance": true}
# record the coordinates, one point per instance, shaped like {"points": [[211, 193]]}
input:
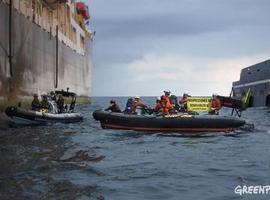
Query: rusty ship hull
{"points": [[40, 62]]}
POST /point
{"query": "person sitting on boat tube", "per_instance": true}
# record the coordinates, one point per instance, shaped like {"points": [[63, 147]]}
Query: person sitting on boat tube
{"points": [[60, 103], [162, 106], [53, 96], [183, 102], [166, 106], [138, 104], [113, 107], [35, 105], [174, 102], [215, 105], [44, 104], [167, 95], [171, 101], [129, 106], [158, 106]]}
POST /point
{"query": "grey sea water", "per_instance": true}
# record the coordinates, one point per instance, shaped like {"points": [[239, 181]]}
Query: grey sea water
{"points": [[83, 161]]}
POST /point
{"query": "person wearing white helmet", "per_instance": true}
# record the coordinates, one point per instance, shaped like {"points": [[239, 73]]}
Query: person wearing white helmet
{"points": [[137, 103], [158, 106], [167, 93]]}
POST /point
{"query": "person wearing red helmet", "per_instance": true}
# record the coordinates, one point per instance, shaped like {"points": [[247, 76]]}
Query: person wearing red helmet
{"points": [[166, 106], [167, 97], [215, 105]]}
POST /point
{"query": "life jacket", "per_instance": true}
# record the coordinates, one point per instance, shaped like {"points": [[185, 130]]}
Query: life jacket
{"points": [[168, 102], [136, 104], [165, 107], [158, 107], [216, 104]]}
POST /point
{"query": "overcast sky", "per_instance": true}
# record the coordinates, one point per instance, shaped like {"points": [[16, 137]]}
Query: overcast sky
{"points": [[143, 47]]}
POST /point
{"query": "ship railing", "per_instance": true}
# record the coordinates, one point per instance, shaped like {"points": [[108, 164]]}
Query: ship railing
{"points": [[25, 8]]}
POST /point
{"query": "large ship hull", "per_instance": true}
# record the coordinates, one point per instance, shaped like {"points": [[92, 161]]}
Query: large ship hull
{"points": [[36, 67], [257, 79]]}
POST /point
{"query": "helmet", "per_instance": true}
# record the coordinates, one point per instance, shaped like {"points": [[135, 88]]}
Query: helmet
{"points": [[137, 97], [167, 92], [112, 101], [43, 94], [158, 98]]}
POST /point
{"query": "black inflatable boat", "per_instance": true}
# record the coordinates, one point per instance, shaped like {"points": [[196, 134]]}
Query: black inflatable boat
{"points": [[23, 116], [50, 114], [171, 123]]}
